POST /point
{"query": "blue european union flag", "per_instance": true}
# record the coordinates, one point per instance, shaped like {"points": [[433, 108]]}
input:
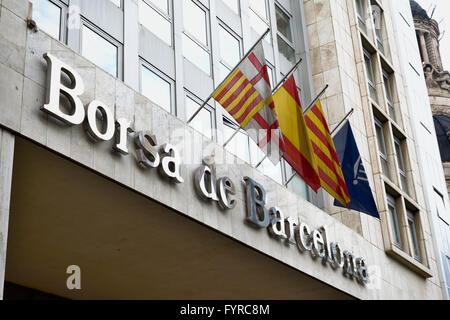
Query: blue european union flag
{"points": [[361, 198]]}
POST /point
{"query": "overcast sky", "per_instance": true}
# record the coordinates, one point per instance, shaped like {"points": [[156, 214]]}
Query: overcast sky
{"points": [[442, 12]]}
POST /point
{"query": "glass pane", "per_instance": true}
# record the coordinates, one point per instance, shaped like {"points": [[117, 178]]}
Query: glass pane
{"points": [[162, 4], [385, 167], [286, 50], [404, 183], [297, 185], [239, 145], [283, 24], [394, 226], [359, 8], [230, 49], [196, 54], [202, 121], [47, 16], [271, 77], [116, 2], [413, 235], [259, 26], [380, 140], [392, 113], [154, 22], [398, 151], [195, 21], [223, 73], [387, 87], [260, 7], [156, 88], [369, 70], [233, 4], [100, 51]]}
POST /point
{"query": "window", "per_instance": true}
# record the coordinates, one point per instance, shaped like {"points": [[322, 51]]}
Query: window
{"points": [[195, 36], [382, 148], [259, 17], [377, 21], [388, 90], [230, 51], [203, 121], [361, 15], [239, 145], [266, 167], [233, 4], [284, 35], [154, 15], [401, 164], [156, 88], [370, 75], [48, 16], [393, 221], [412, 228], [99, 50]]}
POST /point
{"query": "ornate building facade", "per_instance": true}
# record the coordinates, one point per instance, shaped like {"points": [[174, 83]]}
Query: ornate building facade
{"points": [[437, 79]]}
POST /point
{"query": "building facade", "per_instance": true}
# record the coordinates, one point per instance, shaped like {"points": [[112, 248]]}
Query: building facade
{"points": [[134, 231], [438, 81]]}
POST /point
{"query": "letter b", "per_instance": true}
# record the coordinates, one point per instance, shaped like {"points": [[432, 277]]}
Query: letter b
{"points": [[54, 88], [257, 213]]}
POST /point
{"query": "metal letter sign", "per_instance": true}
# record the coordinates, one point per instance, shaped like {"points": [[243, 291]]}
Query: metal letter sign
{"points": [[101, 127]]}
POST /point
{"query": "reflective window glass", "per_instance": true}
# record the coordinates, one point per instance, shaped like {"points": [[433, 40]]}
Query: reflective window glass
{"points": [[195, 21], [196, 54], [99, 50], [230, 48], [156, 88], [47, 16], [202, 121], [155, 22]]}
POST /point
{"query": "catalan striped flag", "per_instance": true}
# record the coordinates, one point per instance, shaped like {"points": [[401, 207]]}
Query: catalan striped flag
{"points": [[246, 95], [298, 152], [328, 165]]}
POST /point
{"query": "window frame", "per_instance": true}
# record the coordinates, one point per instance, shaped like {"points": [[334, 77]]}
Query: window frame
{"points": [[168, 17], [390, 102], [212, 112], [103, 34], [394, 222], [370, 75], [145, 64], [400, 157], [223, 25], [290, 43], [382, 155], [62, 20], [411, 218], [196, 41], [359, 4]]}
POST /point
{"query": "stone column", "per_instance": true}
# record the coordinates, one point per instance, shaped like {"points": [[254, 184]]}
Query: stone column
{"points": [[6, 166], [423, 47]]}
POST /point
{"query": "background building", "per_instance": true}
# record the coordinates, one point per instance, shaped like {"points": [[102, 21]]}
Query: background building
{"points": [[438, 79], [136, 236]]}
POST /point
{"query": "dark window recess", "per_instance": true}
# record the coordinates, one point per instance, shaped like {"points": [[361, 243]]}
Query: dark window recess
{"points": [[442, 125]]}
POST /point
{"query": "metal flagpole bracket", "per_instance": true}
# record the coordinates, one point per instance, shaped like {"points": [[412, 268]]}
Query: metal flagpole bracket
{"points": [[313, 102], [223, 81]]}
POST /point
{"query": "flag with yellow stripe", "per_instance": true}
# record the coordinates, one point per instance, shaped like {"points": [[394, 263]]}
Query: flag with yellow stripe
{"points": [[246, 95], [298, 149], [328, 165]]}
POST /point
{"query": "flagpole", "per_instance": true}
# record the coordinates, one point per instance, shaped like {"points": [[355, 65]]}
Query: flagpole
{"points": [[275, 90], [315, 99], [334, 131], [223, 81]]}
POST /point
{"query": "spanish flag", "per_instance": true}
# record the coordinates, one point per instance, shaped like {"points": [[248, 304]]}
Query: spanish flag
{"points": [[298, 149], [328, 165]]}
